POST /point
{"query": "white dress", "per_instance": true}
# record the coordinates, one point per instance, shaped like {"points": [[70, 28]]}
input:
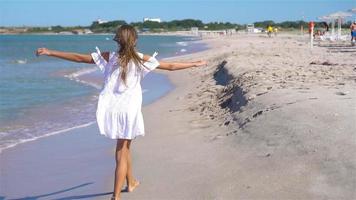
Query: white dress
{"points": [[118, 111]]}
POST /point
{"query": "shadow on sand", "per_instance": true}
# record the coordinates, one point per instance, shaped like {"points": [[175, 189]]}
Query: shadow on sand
{"points": [[339, 48], [86, 196]]}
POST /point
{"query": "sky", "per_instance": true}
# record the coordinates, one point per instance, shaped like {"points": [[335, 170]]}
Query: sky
{"points": [[84, 12]]}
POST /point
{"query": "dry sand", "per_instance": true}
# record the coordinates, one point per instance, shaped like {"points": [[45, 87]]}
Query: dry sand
{"points": [[267, 119]]}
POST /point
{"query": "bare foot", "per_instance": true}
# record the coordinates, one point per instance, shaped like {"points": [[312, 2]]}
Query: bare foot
{"points": [[132, 186], [114, 198]]}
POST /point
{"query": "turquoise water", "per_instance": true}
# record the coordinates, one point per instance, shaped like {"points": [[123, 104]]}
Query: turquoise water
{"points": [[38, 98]]}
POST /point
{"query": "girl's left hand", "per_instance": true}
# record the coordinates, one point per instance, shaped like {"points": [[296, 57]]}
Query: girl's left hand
{"points": [[43, 51]]}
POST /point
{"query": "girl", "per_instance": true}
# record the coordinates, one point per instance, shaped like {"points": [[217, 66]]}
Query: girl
{"points": [[118, 112]]}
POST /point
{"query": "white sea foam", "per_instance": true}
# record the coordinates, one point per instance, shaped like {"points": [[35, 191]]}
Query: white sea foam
{"points": [[183, 50], [82, 72], [21, 61], [182, 43], [75, 76], [3, 134]]}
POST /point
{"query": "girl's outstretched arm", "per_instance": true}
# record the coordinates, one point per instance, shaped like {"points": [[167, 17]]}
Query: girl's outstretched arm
{"points": [[75, 57], [172, 66]]}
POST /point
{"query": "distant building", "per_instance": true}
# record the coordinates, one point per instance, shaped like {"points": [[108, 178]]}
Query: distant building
{"points": [[87, 31], [81, 31], [145, 30], [194, 30], [13, 30], [3, 30], [230, 31], [78, 31], [65, 33], [152, 19], [258, 30], [250, 28], [100, 21]]}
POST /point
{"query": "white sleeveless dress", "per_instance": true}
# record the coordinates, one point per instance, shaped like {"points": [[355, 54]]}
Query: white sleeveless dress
{"points": [[118, 111]]}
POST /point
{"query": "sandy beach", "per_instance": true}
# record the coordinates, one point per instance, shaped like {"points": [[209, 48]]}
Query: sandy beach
{"points": [[268, 118]]}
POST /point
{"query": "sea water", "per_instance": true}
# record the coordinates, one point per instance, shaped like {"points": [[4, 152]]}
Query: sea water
{"points": [[41, 96]]}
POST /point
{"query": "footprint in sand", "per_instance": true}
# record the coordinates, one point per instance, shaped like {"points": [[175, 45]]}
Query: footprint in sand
{"points": [[199, 124], [262, 93], [341, 93], [257, 114], [227, 123]]}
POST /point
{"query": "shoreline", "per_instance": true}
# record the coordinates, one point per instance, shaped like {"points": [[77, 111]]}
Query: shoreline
{"points": [[79, 76], [174, 33]]}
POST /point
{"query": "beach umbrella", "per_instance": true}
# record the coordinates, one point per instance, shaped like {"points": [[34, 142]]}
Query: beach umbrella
{"points": [[325, 18], [339, 16], [328, 18], [353, 10]]}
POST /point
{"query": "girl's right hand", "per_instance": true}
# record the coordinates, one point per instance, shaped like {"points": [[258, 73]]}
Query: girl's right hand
{"points": [[200, 63], [43, 51]]}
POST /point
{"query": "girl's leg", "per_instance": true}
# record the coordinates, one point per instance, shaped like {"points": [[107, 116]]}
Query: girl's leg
{"points": [[132, 183], [121, 166]]}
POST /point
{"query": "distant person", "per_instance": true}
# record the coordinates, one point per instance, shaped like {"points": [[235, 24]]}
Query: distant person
{"points": [[311, 27], [118, 112], [353, 32], [269, 30], [317, 34], [326, 26], [275, 30]]}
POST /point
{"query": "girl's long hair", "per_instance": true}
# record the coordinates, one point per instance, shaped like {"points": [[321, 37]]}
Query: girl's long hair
{"points": [[126, 37]]}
